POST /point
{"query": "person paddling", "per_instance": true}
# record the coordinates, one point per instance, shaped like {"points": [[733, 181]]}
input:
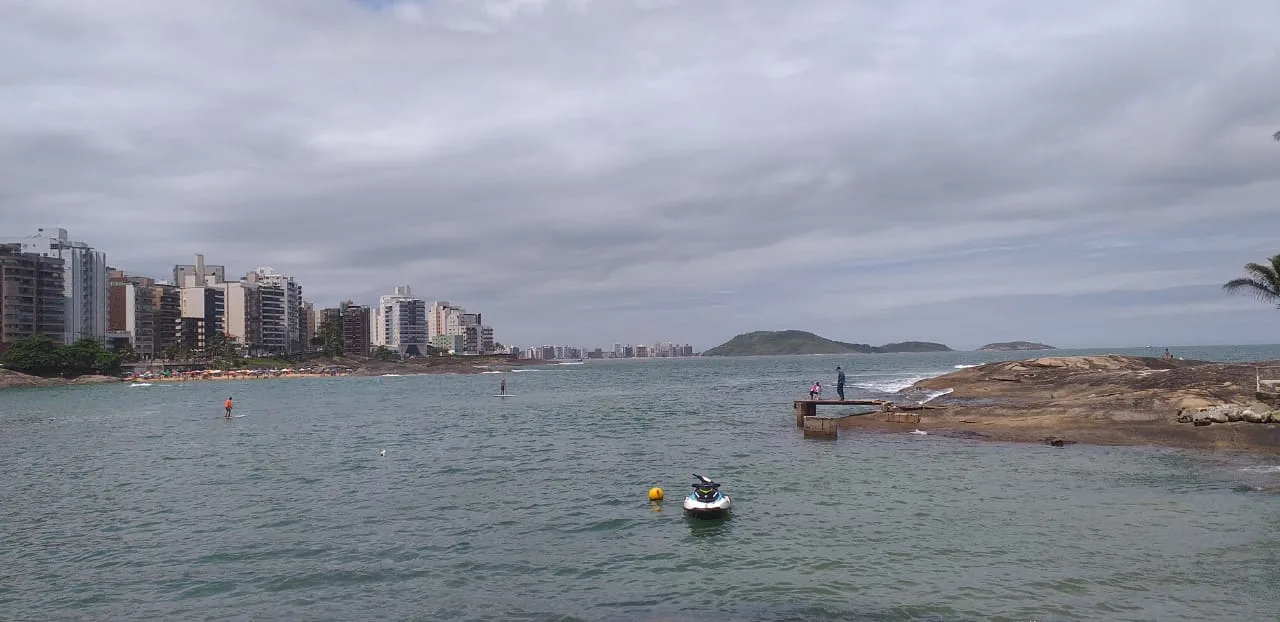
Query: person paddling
{"points": [[228, 405], [502, 388]]}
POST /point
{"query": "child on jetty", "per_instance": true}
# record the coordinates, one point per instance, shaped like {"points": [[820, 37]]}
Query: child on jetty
{"points": [[815, 391]]}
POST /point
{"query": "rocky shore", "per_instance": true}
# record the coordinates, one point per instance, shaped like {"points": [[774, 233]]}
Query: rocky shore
{"points": [[1112, 400], [13, 379]]}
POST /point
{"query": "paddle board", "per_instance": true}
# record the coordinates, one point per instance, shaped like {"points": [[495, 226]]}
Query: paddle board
{"points": [[231, 417], [507, 395]]}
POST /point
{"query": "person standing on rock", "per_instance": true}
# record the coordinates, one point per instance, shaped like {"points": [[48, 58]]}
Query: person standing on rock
{"points": [[840, 382]]}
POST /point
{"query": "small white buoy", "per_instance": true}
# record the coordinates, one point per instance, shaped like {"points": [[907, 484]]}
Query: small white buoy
{"points": [[384, 453], [918, 432]]}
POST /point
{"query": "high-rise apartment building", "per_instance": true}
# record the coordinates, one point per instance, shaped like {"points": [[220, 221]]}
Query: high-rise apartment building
{"points": [[131, 313], [203, 315], [309, 322], [203, 303], [32, 295], [400, 323], [478, 339], [168, 308], [244, 311], [443, 319], [355, 321], [84, 281], [287, 318]]}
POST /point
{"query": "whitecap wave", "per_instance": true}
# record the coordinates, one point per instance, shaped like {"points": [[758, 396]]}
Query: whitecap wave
{"points": [[1262, 469], [964, 366], [891, 385]]}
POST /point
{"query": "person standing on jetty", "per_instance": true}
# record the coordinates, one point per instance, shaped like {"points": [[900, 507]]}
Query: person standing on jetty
{"points": [[840, 382], [228, 405]]}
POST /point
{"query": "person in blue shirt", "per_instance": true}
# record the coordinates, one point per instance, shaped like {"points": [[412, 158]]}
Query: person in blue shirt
{"points": [[840, 382]]}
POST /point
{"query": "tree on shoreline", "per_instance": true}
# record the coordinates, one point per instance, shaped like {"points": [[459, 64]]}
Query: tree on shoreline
{"points": [[39, 355], [1262, 283]]}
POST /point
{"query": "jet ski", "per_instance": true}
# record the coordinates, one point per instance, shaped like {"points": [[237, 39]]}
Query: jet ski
{"points": [[706, 500]]}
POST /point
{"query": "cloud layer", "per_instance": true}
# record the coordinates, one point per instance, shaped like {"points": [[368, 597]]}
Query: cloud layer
{"points": [[589, 171]]}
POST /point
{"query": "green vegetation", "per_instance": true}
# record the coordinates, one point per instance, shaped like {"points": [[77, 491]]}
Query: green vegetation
{"points": [[1014, 346], [1262, 283], [40, 356], [329, 338], [800, 342]]}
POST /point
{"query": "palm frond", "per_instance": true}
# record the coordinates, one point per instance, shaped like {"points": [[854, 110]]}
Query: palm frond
{"points": [[1264, 273], [1276, 136], [1253, 288]]}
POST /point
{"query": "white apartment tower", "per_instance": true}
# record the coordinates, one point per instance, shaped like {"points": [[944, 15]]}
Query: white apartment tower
{"points": [[400, 323], [84, 281]]}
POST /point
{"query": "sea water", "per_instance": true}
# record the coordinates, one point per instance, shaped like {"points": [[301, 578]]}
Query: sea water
{"points": [[145, 503]]}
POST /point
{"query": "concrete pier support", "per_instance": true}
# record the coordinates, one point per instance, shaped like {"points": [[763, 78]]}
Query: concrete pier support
{"points": [[820, 427]]}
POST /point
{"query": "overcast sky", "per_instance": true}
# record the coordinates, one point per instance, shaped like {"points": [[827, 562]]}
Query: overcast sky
{"points": [[591, 171]]}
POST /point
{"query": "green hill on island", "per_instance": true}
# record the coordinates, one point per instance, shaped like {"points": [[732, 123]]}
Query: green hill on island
{"points": [[762, 343], [1014, 346]]}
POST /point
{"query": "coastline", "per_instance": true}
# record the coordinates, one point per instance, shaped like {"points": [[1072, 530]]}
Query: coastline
{"points": [[333, 369]]}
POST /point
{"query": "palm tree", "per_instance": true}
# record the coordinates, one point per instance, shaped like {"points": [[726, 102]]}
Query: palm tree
{"points": [[1262, 283], [1276, 136]]}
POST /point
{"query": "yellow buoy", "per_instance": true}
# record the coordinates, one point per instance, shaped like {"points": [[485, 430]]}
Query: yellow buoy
{"points": [[655, 494]]}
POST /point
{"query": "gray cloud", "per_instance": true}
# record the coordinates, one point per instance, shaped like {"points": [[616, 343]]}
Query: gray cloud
{"points": [[591, 171]]}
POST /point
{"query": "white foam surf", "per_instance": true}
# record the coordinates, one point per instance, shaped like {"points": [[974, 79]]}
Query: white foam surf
{"points": [[1262, 469], [890, 385], [931, 395], [964, 366]]}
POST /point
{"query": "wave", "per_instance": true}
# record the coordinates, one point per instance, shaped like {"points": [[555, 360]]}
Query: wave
{"points": [[1262, 469], [964, 366], [891, 385]]}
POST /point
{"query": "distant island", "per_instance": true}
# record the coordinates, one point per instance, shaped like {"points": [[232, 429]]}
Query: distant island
{"points": [[763, 343], [1014, 346]]}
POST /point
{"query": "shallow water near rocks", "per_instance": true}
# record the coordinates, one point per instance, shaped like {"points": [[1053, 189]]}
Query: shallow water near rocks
{"points": [[143, 503]]}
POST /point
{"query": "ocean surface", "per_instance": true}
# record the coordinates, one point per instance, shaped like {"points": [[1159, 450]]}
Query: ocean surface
{"points": [[144, 503]]}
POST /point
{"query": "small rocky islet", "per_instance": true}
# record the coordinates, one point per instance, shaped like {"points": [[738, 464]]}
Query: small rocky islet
{"points": [[1014, 346]]}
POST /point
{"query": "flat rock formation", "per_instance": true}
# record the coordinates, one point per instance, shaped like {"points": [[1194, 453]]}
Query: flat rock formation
{"points": [[1102, 400], [1014, 346]]}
